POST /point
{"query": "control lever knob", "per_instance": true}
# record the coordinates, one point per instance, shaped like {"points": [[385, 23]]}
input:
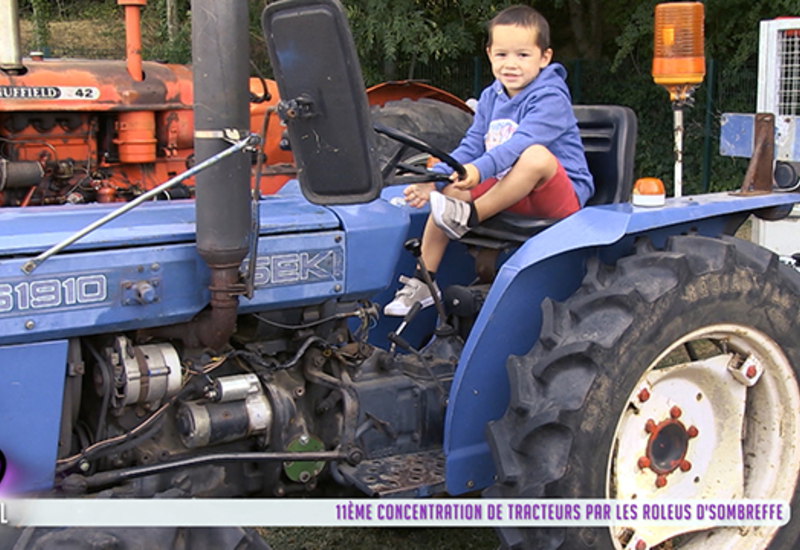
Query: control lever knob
{"points": [[414, 246]]}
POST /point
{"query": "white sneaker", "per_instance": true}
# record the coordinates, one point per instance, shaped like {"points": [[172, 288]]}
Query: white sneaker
{"points": [[450, 215], [413, 291]]}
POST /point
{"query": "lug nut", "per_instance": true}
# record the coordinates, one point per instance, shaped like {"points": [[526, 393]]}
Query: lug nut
{"points": [[751, 371], [649, 426], [686, 466], [643, 462], [691, 432], [644, 395], [675, 412], [661, 481]]}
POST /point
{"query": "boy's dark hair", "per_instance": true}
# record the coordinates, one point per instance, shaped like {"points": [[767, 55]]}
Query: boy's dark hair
{"points": [[522, 16]]}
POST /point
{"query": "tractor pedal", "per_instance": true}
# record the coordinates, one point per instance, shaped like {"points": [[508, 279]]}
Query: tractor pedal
{"points": [[400, 476]]}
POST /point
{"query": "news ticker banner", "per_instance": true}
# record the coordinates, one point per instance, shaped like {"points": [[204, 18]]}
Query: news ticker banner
{"points": [[455, 512]]}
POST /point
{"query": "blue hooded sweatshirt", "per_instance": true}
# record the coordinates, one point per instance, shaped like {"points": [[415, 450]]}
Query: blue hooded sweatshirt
{"points": [[504, 127]]}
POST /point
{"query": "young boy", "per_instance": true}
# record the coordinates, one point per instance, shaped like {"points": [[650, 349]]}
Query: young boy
{"points": [[522, 153]]}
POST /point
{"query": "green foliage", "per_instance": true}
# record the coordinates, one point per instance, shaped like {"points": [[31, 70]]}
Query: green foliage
{"points": [[41, 23], [66, 10], [392, 37], [178, 47], [166, 48]]}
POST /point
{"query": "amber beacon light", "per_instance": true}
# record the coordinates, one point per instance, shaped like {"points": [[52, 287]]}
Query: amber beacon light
{"points": [[678, 63], [678, 58]]}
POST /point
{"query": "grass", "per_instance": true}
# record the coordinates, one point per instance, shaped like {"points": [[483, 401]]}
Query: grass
{"points": [[298, 538]]}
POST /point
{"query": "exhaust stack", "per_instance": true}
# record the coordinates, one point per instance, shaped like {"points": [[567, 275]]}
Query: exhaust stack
{"points": [[133, 37], [10, 43], [220, 56]]}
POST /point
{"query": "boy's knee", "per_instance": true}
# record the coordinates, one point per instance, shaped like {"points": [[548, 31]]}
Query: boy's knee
{"points": [[539, 158]]}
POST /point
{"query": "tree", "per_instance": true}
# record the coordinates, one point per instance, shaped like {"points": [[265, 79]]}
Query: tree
{"points": [[41, 25], [392, 37]]}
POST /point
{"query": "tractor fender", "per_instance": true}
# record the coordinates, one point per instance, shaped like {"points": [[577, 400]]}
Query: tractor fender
{"points": [[552, 265], [385, 92]]}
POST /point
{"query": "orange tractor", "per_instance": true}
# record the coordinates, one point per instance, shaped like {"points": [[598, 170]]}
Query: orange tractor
{"points": [[78, 131]]}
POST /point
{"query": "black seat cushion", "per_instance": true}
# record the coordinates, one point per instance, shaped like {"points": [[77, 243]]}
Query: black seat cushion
{"points": [[608, 133]]}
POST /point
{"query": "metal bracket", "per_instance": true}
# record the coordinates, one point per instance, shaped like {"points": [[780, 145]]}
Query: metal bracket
{"points": [[299, 108], [758, 178], [143, 292]]}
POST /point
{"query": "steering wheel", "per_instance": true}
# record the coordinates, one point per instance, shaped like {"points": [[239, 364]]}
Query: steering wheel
{"points": [[396, 172]]}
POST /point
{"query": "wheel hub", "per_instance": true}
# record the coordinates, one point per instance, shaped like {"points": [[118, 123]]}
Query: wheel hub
{"points": [[666, 448]]}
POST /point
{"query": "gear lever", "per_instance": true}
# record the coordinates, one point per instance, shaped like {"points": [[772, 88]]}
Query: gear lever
{"points": [[415, 247]]}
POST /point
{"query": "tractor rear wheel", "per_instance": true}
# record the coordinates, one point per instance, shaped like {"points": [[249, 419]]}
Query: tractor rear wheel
{"points": [[435, 122], [673, 375]]}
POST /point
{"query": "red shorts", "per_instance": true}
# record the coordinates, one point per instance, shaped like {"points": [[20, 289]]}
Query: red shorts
{"points": [[553, 199]]}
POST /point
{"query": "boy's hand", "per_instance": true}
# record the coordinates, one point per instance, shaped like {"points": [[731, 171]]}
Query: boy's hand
{"points": [[417, 194], [472, 178]]}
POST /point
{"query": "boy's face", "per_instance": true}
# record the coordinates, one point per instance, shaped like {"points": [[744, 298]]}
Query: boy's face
{"points": [[516, 59]]}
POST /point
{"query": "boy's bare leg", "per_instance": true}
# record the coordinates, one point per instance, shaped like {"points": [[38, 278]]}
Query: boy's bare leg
{"points": [[535, 166], [434, 240]]}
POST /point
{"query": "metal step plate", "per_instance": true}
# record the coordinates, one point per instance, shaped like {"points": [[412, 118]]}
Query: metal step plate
{"points": [[400, 476]]}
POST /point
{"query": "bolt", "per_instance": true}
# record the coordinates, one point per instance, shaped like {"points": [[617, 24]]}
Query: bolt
{"points": [[644, 395], [155, 267], [686, 466], [304, 440], [470, 484], [751, 371], [650, 426], [337, 288], [128, 285], [675, 412], [84, 466], [355, 456], [691, 432], [643, 462], [337, 239], [641, 545], [304, 477], [661, 481], [29, 324]]}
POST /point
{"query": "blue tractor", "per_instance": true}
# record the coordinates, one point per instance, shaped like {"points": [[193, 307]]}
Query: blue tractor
{"points": [[233, 346]]}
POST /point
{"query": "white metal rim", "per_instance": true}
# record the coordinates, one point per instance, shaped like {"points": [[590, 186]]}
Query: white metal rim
{"points": [[770, 429]]}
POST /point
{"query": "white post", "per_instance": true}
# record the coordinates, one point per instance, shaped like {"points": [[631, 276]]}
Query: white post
{"points": [[678, 110]]}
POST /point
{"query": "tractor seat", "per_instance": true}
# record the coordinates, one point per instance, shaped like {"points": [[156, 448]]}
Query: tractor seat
{"points": [[608, 133]]}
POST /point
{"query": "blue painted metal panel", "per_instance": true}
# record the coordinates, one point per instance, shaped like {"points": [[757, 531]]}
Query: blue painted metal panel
{"points": [[94, 292], [30, 413], [375, 234], [552, 264], [736, 135], [294, 270], [303, 258], [33, 230], [88, 292]]}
